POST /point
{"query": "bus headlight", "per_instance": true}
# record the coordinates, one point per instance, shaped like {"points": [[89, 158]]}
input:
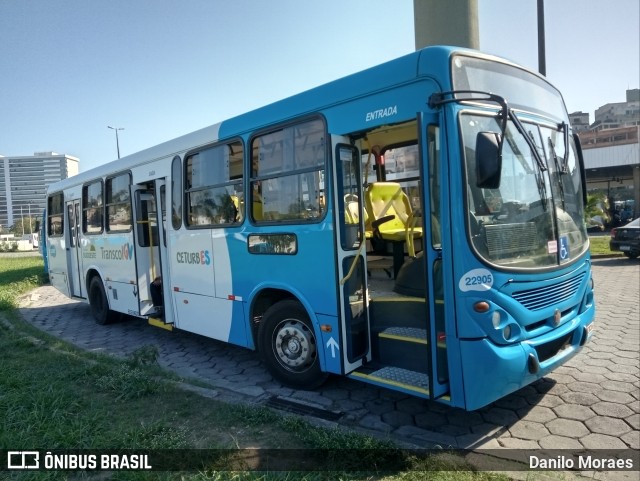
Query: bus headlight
{"points": [[506, 332], [496, 319], [505, 328]]}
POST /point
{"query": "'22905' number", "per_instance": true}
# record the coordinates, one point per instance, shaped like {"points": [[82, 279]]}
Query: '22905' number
{"points": [[478, 280]]}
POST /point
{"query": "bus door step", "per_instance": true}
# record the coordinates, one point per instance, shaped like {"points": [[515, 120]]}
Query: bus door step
{"points": [[399, 379], [402, 347], [154, 321], [407, 334]]}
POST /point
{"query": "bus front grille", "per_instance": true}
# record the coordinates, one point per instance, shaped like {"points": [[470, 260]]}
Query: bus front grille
{"points": [[536, 299]]}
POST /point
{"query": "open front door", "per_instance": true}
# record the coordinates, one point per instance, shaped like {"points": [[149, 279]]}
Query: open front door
{"points": [[351, 263], [439, 374], [149, 241]]}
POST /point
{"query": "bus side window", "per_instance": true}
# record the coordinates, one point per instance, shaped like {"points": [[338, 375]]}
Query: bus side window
{"points": [[92, 207], [213, 186], [118, 203], [163, 213], [55, 218], [434, 184], [287, 173], [71, 215], [176, 193]]}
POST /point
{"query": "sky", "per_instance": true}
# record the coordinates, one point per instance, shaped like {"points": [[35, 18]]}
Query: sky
{"points": [[162, 68]]}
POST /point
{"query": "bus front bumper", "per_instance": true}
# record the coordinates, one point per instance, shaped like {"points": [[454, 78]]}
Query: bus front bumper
{"points": [[492, 371]]}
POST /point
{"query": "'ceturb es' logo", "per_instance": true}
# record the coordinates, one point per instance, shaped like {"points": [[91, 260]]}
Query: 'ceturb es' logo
{"points": [[203, 257]]}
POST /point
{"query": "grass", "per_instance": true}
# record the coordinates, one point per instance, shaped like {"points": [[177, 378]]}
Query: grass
{"points": [[599, 245], [55, 396], [18, 275]]}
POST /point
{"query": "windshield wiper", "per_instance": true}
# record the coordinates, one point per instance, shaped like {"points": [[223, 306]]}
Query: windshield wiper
{"points": [[439, 98], [542, 188], [534, 150]]}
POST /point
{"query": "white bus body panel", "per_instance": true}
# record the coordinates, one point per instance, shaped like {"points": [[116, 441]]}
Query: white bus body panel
{"points": [[201, 283], [192, 262], [204, 315], [57, 252], [116, 262]]}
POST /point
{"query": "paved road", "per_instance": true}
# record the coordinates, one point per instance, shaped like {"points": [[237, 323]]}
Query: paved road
{"points": [[591, 402]]}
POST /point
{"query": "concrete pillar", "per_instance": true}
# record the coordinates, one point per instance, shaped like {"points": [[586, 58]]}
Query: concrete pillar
{"points": [[636, 191], [450, 22]]}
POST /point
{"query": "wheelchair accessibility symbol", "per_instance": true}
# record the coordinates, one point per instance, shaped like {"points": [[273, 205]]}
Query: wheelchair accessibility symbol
{"points": [[564, 248]]}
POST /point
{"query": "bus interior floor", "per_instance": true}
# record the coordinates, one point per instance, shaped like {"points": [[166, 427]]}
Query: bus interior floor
{"points": [[380, 276]]}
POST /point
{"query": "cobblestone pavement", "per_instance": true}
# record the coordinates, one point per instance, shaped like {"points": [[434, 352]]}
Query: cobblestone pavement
{"points": [[591, 402]]}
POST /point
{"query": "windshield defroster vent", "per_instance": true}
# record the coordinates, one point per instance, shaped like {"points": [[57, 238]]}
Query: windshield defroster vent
{"points": [[510, 238]]}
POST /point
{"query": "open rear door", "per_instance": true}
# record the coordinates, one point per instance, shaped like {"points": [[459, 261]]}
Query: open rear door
{"points": [[147, 243], [74, 250]]}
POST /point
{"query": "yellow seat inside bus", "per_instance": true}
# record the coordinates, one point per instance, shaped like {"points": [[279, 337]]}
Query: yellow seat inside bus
{"points": [[352, 213], [389, 214]]}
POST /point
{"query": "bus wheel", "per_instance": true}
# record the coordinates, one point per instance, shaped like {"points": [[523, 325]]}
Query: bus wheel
{"points": [[98, 301], [288, 346]]}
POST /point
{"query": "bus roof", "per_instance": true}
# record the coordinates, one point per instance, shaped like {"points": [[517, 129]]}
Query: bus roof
{"points": [[375, 79]]}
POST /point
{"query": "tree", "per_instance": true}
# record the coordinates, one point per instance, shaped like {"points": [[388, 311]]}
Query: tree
{"points": [[597, 206], [29, 226]]}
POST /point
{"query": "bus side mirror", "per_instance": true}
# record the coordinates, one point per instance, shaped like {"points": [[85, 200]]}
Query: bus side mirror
{"points": [[488, 160], [583, 172]]}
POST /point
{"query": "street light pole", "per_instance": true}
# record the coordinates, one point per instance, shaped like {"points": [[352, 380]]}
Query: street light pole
{"points": [[542, 55], [117, 142]]}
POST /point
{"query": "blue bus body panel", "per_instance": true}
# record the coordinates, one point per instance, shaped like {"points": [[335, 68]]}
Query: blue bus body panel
{"points": [[301, 271], [354, 101], [329, 349], [381, 77], [300, 274]]}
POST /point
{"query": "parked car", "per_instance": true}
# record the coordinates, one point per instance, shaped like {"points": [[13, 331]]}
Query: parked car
{"points": [[626, 239]]}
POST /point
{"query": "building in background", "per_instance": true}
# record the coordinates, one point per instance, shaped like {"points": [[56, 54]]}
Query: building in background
{"points": [[612, 152], [619, 114], [24, 181], [579, 121]]}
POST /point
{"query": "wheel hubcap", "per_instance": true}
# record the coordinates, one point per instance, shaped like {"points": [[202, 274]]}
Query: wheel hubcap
{"points": [[294, 345]]}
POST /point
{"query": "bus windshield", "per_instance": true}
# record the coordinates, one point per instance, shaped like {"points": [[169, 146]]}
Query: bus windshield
{"points": [[522, 89], [534, 218]]}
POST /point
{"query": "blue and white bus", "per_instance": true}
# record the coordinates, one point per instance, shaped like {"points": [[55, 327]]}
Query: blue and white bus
{"points": [[418, 226]]}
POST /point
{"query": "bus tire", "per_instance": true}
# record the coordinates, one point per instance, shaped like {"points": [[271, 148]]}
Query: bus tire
{"points": [[288, 346], [98, 302]]}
